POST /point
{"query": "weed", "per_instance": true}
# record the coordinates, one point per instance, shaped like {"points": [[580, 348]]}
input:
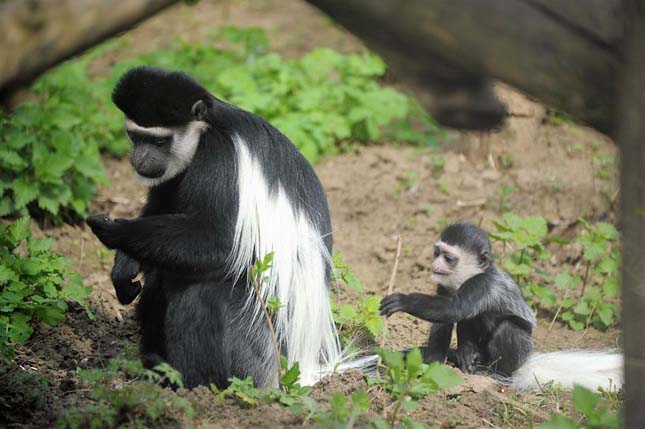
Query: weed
{"points": [[586, 298], [35, 284], [126, 395], [360, 318], [443, 186], [505, 204], [408, 379], [50, 150], [585, 402], [408, 181], [505, 160]]}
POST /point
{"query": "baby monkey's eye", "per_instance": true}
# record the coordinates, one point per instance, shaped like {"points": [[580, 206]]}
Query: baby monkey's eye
{"points": [[437, 251], [451, 260]]}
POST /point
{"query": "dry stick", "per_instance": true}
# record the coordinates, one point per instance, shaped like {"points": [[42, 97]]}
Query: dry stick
{"points": [[276, 350], [80, 263], [390, 287]]}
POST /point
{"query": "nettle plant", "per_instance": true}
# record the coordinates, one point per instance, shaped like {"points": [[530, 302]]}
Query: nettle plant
{"points": [[35, 284], [361, 318], [594, 415], [407, 379], [126, 395], [585, 298], [50, 161]]}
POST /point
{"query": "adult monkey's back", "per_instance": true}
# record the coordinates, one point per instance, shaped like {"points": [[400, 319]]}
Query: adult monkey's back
{"points": [[226, 188]]}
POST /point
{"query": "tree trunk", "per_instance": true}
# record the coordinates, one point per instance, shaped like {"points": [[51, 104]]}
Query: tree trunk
{"points": [[631, 135], [37, 34], [563, 53]]}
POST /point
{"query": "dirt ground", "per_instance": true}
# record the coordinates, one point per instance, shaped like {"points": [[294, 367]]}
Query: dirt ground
{"points": [[376, 193]]}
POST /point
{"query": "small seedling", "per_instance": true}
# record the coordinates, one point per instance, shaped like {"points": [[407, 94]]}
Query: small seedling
{"points": [[407, 379]]}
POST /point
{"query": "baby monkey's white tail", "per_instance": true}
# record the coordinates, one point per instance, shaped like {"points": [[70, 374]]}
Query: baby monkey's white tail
{"points": [[590, 369]]}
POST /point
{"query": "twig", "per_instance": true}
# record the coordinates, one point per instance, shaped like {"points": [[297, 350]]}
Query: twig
{"points": [[80, 262], [557, 313], [267, 317], [390, 288], [584, 280]]}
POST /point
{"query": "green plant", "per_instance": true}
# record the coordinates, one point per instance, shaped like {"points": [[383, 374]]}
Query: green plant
{"points": [[289, 391], [50, 159], [126, 395], [505, 204], [594, 416], [505, 160], [408, 379], [587, 298], [604, 166], [344, 412], [600, 281], [444, 188], [437, 162], [23, 393], [318, 100], [361, 317], [35, 284], [408, 181]]}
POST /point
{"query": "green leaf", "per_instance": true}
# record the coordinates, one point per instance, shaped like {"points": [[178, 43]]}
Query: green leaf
{"points": [[575, 325], [606, 316], [291, 375], [606, 266], [20, 230], [560, 422], [565, 280], [582, 308], [443, 376], [39, 245], [6, 274], [607, 231], [52, 315], [24, 192], [375, 325], [584, 400]]}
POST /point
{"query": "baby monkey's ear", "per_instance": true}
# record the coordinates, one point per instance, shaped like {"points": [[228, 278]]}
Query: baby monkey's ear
{"points": [[199, 110], [484, 259]]}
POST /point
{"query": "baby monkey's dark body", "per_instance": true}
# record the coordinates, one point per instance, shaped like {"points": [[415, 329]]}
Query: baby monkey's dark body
{"points": [[494, 323]]}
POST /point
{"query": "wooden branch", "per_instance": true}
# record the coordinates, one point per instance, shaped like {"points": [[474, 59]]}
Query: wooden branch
{"points": [[563, 53], [631, 135], [37, 34]]}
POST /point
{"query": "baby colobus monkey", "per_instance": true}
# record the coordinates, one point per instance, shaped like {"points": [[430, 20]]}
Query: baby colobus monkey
{"points": [[494, 322]]}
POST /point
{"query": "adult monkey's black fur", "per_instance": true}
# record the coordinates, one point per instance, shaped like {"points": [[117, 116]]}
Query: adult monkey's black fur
{"points": [[494, 323], [226, 188]]}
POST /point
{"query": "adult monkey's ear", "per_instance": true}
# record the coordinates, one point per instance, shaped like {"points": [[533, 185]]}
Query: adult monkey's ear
{"points": [[199, 110]]}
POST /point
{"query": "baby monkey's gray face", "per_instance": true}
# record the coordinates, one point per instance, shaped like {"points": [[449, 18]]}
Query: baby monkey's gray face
{"points": [[453, 265]]}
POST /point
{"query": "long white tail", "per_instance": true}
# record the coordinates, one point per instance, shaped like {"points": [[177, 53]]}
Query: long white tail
{"points": [[590, 369]]}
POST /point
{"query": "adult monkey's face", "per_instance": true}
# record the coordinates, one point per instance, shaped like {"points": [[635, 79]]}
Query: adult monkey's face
{"points": [[150, 153], [159, 153]]}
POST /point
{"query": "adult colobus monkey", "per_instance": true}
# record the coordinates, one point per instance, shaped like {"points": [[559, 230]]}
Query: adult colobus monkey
{"points": [[226, 188], [494, 323]]}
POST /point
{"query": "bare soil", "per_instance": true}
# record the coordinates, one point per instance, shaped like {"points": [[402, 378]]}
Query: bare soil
{"points": [[376, 193]]}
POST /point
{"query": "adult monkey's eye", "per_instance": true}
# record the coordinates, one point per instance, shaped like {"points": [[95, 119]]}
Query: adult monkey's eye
{"points": [[160, 141]]}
